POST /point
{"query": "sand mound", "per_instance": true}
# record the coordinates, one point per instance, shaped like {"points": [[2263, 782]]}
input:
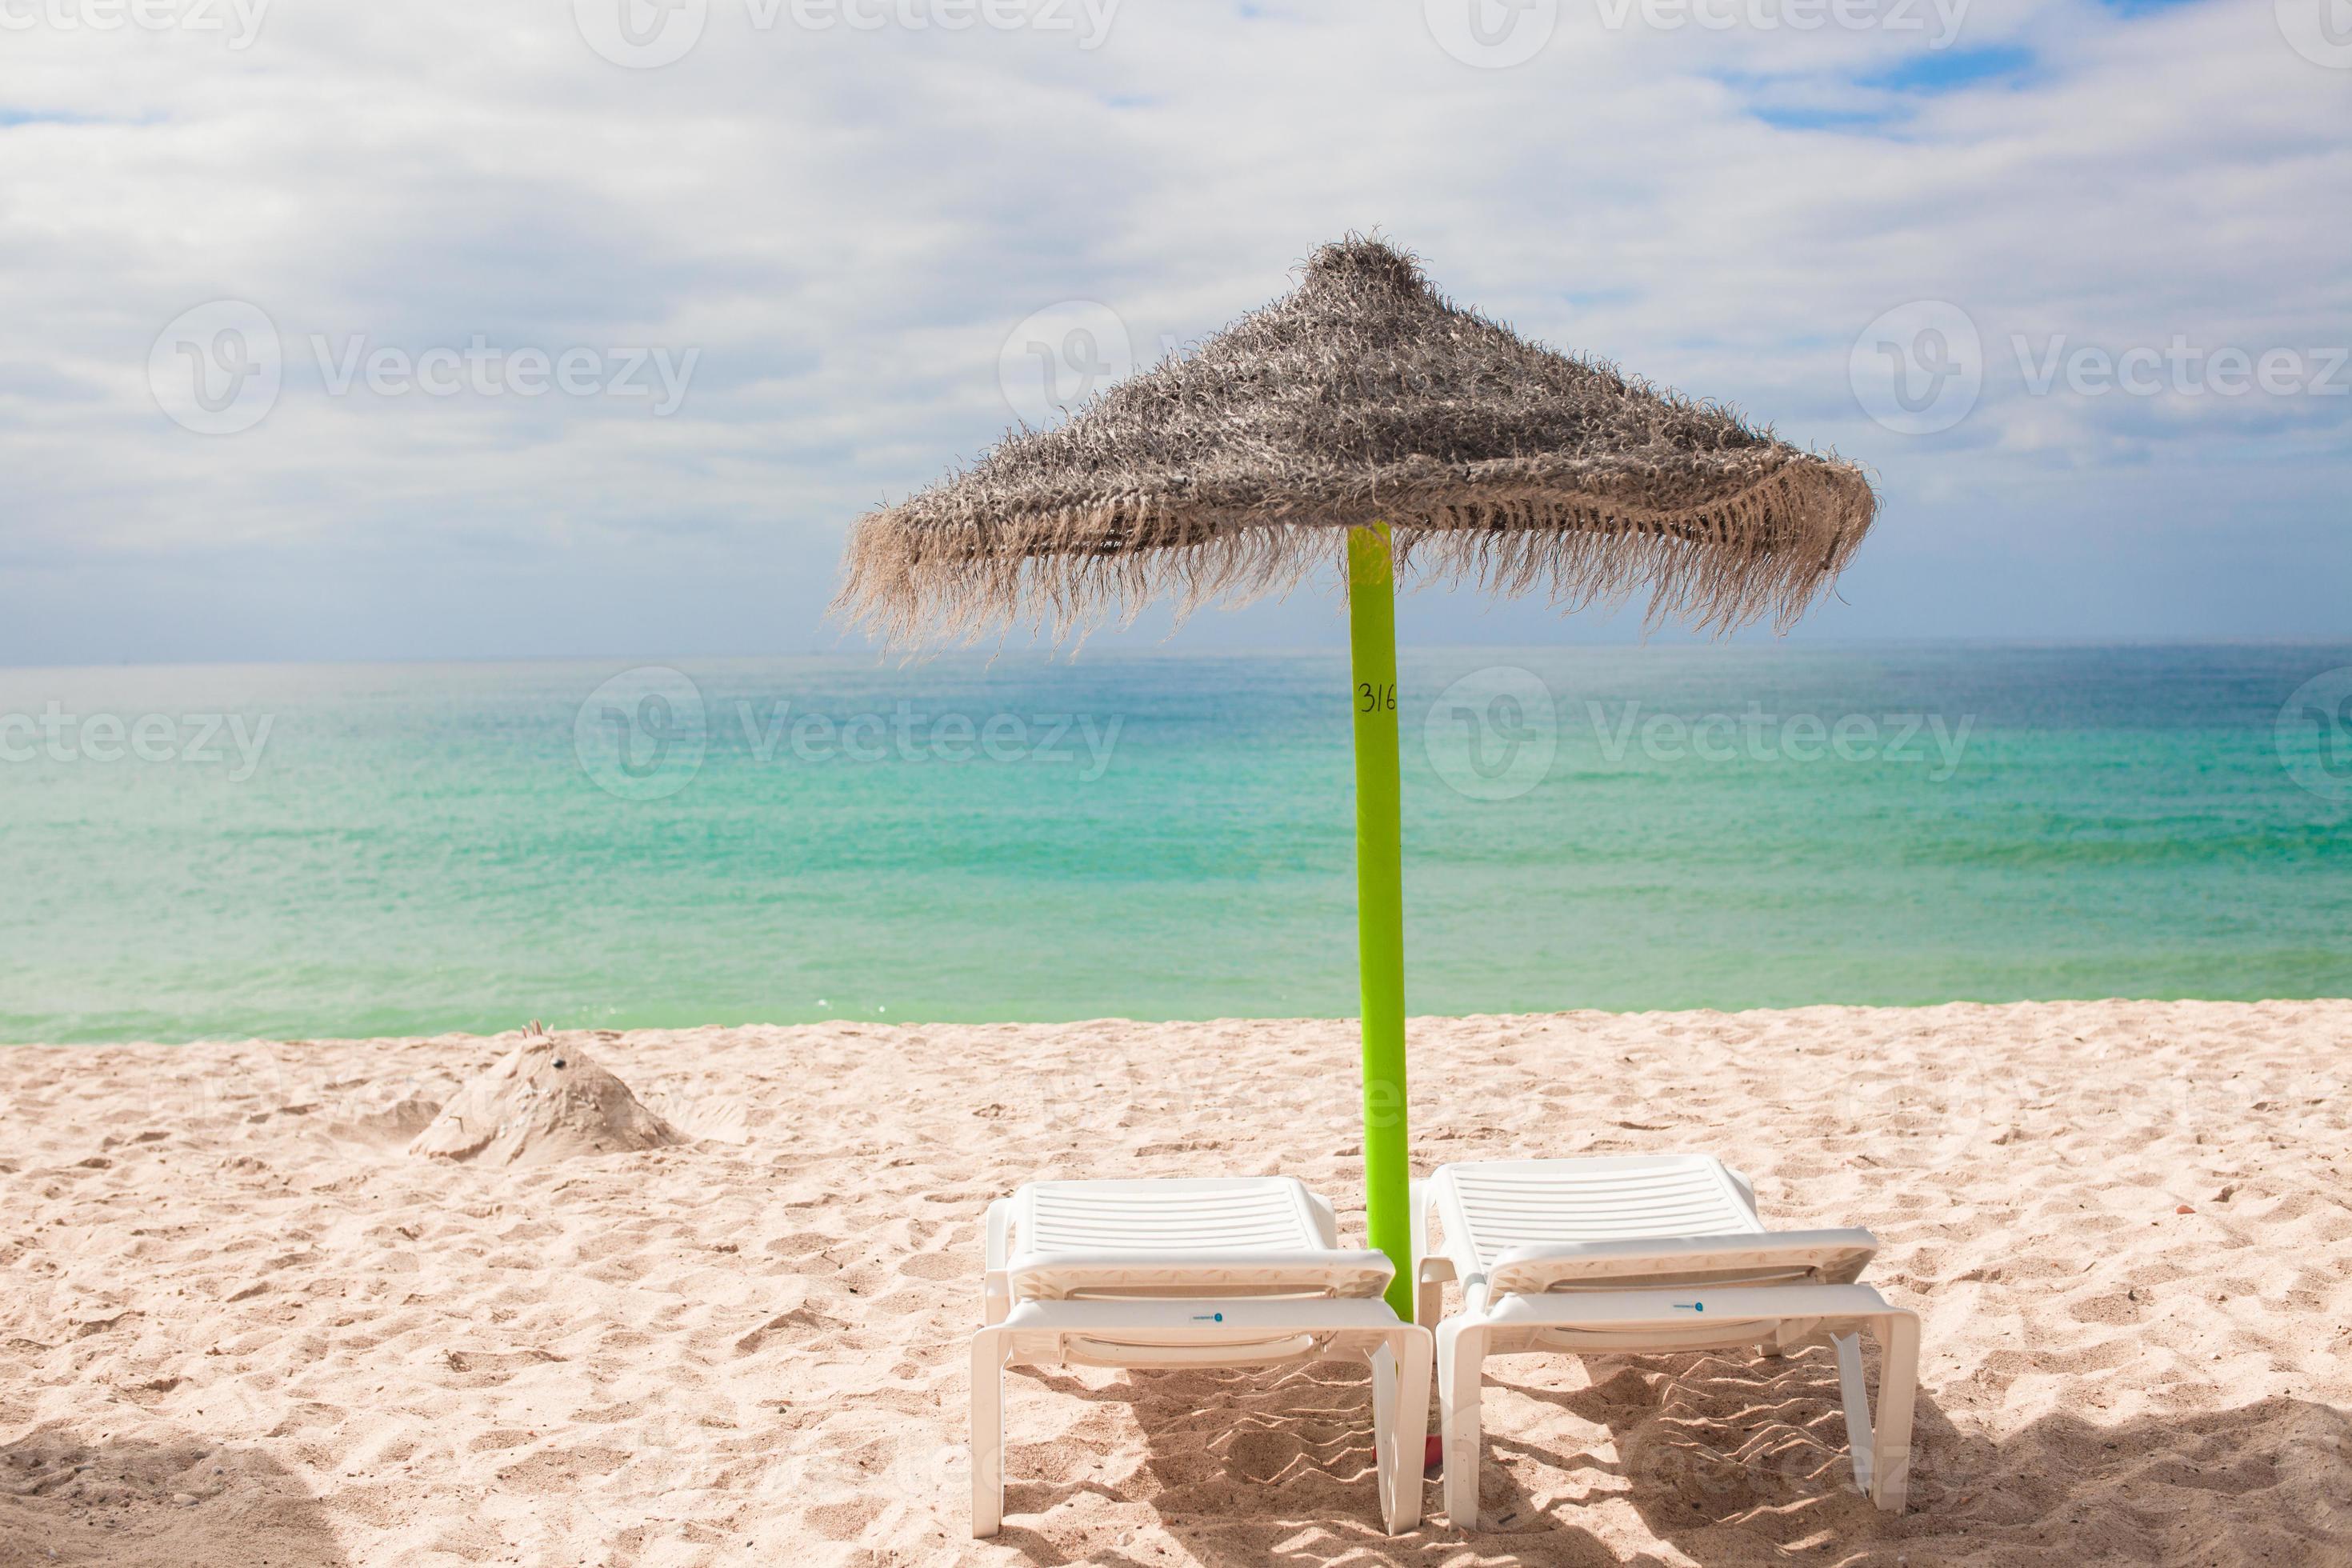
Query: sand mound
{"points": [[544, 1100]]}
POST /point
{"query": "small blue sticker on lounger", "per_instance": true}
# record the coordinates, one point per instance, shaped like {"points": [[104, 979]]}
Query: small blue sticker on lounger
{"points": [[1207, 1316], [1690, 1306]]}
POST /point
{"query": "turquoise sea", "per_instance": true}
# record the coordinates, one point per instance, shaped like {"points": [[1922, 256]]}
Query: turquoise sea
{"points": [[299, 851]]}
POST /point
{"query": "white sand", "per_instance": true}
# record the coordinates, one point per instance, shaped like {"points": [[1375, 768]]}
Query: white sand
{"points": [[239, 1325]]}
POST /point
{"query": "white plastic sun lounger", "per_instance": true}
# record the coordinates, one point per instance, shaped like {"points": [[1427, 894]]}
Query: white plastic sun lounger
{"points": [[1231, 1273], [1646, 1254]]}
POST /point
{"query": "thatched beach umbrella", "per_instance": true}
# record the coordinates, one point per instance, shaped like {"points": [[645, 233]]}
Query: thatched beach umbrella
{"points": [[1364, 409]]}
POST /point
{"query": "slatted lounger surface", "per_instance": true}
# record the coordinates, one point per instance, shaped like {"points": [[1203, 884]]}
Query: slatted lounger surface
{"points": [[1213, 1272], [1646, 1254]]}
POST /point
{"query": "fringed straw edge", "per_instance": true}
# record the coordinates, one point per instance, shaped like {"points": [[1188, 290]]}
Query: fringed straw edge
{"points": [[1773, 548]]}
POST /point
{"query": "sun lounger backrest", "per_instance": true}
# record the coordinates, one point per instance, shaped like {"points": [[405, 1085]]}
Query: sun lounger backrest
{"points": [[1243, 1237], [1272, 1214], [1509, 1203]]}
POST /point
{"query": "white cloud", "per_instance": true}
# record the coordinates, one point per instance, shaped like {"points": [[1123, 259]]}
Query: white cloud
{"points": [[845, 225]]}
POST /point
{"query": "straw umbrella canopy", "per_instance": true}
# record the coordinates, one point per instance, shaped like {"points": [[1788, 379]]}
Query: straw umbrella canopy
{"points": [[1364, 419]]}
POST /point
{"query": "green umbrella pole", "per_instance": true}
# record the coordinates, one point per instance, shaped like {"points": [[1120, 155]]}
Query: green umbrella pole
{"points": [[1379, 902]]}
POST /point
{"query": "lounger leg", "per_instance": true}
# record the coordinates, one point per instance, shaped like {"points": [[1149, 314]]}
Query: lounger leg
{"points": [[1401, 1381], [987, 1433], [1882, 1449], [1461, 1356], [1856, 1395], [1898, 1383]]}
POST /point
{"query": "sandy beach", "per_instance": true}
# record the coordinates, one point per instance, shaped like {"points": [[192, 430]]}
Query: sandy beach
{"points": [[240, 1324]]}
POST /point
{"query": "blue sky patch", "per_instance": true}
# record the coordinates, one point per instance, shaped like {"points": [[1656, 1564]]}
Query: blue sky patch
{"points": [[1941, 71]]}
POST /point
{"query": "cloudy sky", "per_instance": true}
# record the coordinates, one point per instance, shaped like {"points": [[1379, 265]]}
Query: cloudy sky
{"points": [[586, 326]]}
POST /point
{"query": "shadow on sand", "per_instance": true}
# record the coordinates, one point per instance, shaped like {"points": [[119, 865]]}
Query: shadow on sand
{"points": [[1723, 1462], [67, 1501]]}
